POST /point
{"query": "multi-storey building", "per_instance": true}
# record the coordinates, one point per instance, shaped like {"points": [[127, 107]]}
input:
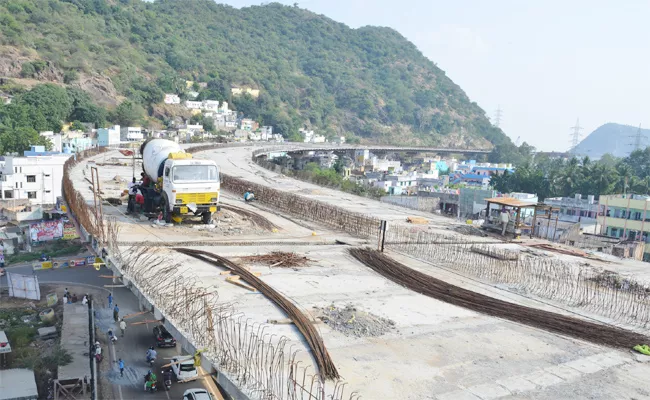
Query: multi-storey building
{"points": [[35, 177], [625, 216]]}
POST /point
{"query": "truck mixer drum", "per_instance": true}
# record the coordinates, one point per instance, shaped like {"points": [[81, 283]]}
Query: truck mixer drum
{"points": [[186, 187]]}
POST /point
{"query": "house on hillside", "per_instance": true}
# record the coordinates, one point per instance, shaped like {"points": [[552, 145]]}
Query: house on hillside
{"points": [[171, 98], [236, 91]]}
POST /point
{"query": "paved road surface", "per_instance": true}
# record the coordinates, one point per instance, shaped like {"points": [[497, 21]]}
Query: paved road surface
{"points": [[131, 348]]}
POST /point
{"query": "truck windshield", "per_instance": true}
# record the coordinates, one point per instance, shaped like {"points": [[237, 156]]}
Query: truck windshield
{"points": [[194, 173]]}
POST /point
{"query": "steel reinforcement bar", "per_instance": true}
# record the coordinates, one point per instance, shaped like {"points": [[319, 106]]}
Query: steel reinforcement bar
{"points": [[301, 321], [429, 286]]}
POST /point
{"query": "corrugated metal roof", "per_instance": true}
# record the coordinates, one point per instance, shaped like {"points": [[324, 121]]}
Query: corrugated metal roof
{"points": [[510, 201], [18, 383]]}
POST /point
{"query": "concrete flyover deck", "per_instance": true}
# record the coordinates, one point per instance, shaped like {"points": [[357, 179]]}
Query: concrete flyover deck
{"points": [[432, 350]]}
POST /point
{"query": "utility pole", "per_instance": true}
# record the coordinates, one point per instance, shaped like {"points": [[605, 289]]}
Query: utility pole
{"points": [[638, 139], [497, 117], [575, 135]]}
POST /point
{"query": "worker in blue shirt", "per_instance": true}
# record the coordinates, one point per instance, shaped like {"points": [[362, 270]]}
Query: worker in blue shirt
{"points": [[121, 365], [249, 196]]}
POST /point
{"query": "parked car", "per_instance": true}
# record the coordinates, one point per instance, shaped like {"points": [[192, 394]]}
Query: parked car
{"points": [[184, 369], [197, 394], [163, 337]]}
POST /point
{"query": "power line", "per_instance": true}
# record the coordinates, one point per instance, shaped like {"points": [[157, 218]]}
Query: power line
{"points": [[497, 116], [575, 135], [638, 139]]}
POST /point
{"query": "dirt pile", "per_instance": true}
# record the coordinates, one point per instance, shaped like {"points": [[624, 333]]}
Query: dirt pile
{"points": [[278, 259], [469, 230], [353, 322]]}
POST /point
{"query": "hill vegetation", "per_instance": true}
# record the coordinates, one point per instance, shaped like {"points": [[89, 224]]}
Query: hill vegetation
{"points": [[310, 70]]}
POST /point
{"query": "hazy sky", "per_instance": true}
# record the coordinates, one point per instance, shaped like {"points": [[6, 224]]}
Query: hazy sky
{"points": [[544, 63]]}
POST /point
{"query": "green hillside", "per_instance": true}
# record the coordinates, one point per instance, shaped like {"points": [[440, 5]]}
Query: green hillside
{"points": [[310, 70]]}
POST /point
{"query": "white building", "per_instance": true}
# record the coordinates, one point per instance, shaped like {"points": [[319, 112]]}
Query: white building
{"points": [[193, 105], [278, 137], [36, 176], [307, 135], [108, 136], [266, 133], [131, 133], [384, 165], [55, 139], [171, 98], [210, 105]]}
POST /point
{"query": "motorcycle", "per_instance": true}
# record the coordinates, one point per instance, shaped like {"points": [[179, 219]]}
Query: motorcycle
{"points": [[151, 360], [167, 379]]}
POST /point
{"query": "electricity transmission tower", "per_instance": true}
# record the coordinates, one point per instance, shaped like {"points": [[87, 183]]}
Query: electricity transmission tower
{"points": [[575, 135], [497, 116], [638, 139]]}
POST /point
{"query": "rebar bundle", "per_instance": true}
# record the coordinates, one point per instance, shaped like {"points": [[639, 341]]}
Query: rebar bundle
{"points": [[429, 286], [254, 217], [324, 362]]}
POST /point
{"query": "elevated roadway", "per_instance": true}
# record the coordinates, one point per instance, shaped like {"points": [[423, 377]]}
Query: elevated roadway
{"points": [[434, 351]]}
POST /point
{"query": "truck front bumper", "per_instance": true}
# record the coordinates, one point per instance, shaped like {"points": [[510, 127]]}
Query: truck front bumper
{"points": [[200, 209]]}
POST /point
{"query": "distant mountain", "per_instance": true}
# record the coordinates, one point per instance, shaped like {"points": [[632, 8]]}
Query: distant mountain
{"points": [[615, 139]]}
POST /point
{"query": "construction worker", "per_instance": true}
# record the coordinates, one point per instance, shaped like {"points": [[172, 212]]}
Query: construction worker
{"points": [[505, 218]]}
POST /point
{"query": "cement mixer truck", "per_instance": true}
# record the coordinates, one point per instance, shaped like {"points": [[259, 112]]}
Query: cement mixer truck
{"points": [[176, 184]]}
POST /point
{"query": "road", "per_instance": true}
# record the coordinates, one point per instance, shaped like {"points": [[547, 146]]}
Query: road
{"points": [[131, 348]]}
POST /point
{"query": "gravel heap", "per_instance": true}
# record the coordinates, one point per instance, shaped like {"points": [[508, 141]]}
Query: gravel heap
{"points": [[353, 322]]}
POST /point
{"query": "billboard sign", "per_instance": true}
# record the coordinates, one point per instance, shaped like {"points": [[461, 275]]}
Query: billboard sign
{"points": [[69, 231], [23, 286], [46, 230]]}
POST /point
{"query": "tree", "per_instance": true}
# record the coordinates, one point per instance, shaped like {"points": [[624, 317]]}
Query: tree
{"points": [[128, 114], [77, 126], [70, 76], [52, 101]]}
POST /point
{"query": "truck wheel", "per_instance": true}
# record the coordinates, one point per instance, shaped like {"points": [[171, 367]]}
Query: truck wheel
{"points": [[206, 217]]}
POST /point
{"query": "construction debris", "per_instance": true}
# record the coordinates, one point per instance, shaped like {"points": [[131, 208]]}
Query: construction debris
{"points": [[278, 259], [417, 220], [235, 281], [569, 252], [352, 322], [470, 230]]}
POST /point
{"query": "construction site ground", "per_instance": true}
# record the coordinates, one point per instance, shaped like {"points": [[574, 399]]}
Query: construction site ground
{"points": [[428, 349]]}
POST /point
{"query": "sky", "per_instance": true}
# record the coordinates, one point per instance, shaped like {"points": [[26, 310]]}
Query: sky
{"points": [[544, 64]]}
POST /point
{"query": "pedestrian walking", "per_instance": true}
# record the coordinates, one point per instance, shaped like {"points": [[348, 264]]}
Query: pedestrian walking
{"points": [[121, 365], [122, 326], [65, 299], [110, 300], [85, 300], [116, 313], [66, 293]]}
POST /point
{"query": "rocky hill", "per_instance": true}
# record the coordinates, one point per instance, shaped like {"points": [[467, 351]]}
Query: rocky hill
{"points": [[615, 139], [310, 70]]}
